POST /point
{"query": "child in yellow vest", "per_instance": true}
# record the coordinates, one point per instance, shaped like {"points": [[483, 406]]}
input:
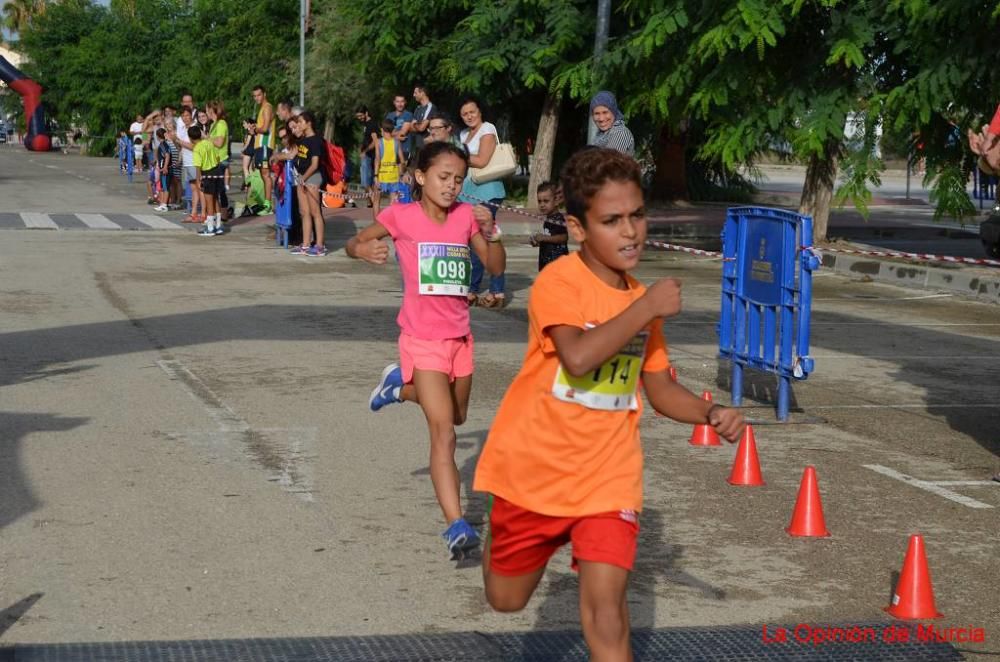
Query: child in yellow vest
{"points": [[389, 167]]}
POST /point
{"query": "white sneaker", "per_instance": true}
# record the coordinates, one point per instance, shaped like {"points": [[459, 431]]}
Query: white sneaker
{"points": [[161, 208]]}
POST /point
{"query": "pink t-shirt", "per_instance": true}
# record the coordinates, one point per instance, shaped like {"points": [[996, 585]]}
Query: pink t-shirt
{"points": [[430, 316]]}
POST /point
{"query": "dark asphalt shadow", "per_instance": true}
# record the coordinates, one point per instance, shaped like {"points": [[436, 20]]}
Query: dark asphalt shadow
{"points": [[38, 349], [13, 613], [16, 496]]}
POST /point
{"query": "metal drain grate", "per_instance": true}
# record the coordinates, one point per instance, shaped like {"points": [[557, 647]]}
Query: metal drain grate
{"points": [[728, 644]]}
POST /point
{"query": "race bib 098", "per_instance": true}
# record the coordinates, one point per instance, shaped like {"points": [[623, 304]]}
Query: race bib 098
{"points": [[445, 269]]}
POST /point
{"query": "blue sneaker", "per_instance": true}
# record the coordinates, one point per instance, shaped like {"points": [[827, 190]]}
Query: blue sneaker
{"points": [[387, 391], [461, 538]]}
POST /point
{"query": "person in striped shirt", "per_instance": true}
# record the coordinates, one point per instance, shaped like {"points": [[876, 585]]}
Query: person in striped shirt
{"points": [[610, 122]]}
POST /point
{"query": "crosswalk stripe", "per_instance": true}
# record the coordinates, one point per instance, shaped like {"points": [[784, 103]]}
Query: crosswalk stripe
{"points": [[37, 220], [99, 221], [155, 222]]}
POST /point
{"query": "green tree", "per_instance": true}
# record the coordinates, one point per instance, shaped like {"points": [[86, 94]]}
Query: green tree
{"points": [[757, 75], [542, 42], [100, 66], [455, 47]]}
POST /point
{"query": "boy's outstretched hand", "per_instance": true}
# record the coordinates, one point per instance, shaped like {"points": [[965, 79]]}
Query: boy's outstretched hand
{"points": [[727, 421], [664, 297], [373, 251]]}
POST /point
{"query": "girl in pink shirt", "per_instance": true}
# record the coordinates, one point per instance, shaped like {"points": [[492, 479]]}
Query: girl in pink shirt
{"points": [[433, 239]]}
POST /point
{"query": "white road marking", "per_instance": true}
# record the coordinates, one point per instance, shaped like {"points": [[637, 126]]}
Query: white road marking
{"points": [[926, 296], [155, 222], [965, 483], [99, 221], [909, 405], [927, 486], [37, 220]]}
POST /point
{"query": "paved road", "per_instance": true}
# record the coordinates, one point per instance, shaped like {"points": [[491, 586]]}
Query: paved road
{"points": [[185, 451]]}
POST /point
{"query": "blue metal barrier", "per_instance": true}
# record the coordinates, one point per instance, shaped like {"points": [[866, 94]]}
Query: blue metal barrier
{"points": [[767, 296], [283, 208]]}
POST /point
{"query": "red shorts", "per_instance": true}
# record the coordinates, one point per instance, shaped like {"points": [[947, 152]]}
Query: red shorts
{"points": [[521, 541], [453, 356]]}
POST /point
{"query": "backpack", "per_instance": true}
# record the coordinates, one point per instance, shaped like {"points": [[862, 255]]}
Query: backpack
{"points": [[333, 163]]}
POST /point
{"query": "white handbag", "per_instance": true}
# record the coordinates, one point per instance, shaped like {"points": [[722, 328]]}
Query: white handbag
{"points": [[502, 164]]}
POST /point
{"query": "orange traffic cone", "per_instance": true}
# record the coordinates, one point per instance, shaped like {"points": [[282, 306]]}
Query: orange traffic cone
{"points": [[704, 434], [913, 598], [746, 469], [673, 373], [807, 518]]}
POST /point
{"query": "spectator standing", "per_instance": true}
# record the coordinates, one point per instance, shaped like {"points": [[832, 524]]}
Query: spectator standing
{"points": [[219, 136], [206, 163], [284, 112], [421, 116], [202, 121], [137, 151], [480, 139], [389, 164], [190, 175], [441, 128], [402, 121], [188, 100], [176, 170], [162, 171], [264, 141], [552, 240], [135, 129], [366, 152], [311, 179], [610, 122]]}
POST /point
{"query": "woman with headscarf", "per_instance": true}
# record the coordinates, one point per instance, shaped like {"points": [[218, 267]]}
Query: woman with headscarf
{"points": [[610, 122]]}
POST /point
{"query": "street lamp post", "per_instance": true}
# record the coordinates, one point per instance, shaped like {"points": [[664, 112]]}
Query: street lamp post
{"points": [[600, 44], [302, 52]]}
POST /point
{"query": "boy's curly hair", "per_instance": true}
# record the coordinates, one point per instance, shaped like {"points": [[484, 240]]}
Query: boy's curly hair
{"points": [[588, 170]]}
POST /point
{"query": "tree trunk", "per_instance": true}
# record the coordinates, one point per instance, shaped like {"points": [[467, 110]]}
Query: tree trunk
{"points": [[670, 180], [328, 127], [545, 145], [817, 192]]}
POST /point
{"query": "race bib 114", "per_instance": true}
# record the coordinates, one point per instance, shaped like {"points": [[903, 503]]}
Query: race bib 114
{"points": [[445, 269], [612, 386]]}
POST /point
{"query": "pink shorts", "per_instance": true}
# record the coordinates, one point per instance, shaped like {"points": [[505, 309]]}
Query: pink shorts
{"points": [[453, 356]]}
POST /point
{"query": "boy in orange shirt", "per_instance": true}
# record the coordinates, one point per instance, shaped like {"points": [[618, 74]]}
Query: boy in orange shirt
{"points": [[563, 461]]}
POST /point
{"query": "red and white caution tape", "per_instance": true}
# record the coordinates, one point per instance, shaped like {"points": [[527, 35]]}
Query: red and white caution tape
{"points": [[684, 249], [926, 257]]}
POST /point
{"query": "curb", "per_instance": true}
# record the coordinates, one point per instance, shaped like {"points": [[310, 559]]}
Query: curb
{"points": [[966, 282]]}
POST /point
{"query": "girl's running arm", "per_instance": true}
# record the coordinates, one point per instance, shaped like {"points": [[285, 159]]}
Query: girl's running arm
{"points": [[367, 245]]}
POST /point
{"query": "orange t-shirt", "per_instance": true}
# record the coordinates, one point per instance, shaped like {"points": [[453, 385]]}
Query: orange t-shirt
{"points": [[564, 446]]}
